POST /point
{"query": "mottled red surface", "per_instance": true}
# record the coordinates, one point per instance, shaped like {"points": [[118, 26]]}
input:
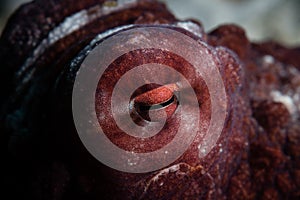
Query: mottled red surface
{"points": [[155, 96], [256, 157]]}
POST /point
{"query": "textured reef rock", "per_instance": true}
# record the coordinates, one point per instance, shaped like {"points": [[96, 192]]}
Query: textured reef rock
{"points": [[257, 155]]}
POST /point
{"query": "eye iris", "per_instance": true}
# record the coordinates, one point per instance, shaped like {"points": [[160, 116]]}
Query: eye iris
{"points": [[156, 103], [154, 96]]}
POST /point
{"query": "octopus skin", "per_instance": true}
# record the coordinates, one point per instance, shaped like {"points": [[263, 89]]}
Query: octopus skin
{"points": [[257, 155]]}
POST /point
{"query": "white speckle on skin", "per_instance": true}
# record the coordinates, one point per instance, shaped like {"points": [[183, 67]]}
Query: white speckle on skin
{"points": [[268, 59], [285, 100], [133, 161], [202, 150], [191, 27]]}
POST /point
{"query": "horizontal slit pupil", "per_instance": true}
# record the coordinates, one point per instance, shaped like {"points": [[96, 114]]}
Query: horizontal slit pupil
{"points": [[157, 106]]}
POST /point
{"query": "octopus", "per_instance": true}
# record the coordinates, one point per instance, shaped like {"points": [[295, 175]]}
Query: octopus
{"points": [[256, 156]]}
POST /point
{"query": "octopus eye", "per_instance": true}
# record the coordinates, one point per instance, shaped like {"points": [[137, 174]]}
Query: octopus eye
{"points": [[155, 103], [106, 99], [147, 86]]}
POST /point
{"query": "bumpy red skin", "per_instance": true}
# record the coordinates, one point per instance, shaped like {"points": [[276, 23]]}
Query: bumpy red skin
{"points": [[260, 157]]}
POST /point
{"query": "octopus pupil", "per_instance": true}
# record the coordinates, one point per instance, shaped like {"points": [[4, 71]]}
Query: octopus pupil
{"points": [[157, 106]]}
